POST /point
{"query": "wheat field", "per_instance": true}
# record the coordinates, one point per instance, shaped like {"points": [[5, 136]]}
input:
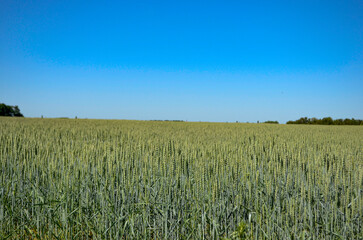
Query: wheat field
{"points": [[118, 179]]}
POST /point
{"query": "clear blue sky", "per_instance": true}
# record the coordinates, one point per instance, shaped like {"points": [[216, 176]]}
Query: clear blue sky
{"points": [[188, 60]]}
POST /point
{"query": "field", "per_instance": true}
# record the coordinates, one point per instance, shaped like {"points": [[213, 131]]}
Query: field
{"points": [[108, 179]]}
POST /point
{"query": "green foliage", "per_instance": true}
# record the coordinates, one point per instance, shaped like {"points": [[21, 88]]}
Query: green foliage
{"points": [[274, 122], [108, 179], [327, 121], [10, 111], [242, 232]]}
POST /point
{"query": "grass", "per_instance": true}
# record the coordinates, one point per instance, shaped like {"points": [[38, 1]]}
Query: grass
{"points": [[109, 179]]}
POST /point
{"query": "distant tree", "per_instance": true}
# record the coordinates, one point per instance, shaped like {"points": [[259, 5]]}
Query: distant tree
{"points": [[275, 122], [326, 121], [314, 120], [17, 112], [10, 111], [338, 122]]}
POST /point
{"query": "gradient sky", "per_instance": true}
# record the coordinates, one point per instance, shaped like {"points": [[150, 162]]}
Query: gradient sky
{"points": [[188, 60]]}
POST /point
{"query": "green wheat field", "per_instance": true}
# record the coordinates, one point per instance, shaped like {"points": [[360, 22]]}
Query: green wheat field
{"points": [[118, 179]]}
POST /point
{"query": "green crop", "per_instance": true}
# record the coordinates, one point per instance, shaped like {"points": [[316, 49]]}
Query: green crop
{"points": [[109, 179]]}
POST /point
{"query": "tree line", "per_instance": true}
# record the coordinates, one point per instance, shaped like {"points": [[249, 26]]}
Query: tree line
{"points": [[274, 122], [327, 121], [10, 111]]}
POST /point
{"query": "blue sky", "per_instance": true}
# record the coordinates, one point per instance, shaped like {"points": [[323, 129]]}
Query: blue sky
{"points": [[189, 60]]}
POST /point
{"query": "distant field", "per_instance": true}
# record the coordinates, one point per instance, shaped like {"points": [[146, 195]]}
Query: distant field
{"points": [[109, 179]]}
